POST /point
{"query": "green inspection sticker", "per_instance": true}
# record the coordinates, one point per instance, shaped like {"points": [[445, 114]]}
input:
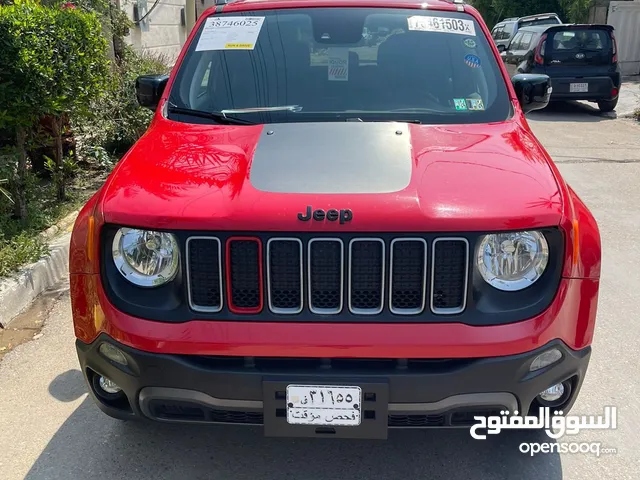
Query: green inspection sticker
{"points": [[460, 103], [470, 43]]}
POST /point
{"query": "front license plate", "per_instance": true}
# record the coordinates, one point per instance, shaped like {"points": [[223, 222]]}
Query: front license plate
{"points": [[578, 87], [324, 405]]}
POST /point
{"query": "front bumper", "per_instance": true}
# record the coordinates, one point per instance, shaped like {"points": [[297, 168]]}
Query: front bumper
{"points": [[397, 392]]}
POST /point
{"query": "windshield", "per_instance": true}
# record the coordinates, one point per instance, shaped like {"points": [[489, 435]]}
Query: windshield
{"points": [[337, 64], [581, 39]]}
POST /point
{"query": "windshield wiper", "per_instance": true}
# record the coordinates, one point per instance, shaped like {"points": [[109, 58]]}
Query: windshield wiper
{"points": [[284, 108], [358, 119], [219, 117]]}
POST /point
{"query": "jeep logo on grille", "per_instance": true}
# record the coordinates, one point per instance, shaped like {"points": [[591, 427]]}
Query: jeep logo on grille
{"points": [[320, 215]]}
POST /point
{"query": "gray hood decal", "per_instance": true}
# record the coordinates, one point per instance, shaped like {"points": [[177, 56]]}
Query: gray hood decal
{"points": [[340, 157]]}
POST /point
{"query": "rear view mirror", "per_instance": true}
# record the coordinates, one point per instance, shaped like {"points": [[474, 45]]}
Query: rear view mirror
{"points": [[533, 91], [149, 90]]}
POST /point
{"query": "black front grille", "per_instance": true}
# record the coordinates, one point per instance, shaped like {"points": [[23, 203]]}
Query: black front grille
{"points": [[416, 420], [450, 269], [408, 275], [181, 411], [366, 276], [328, 276], [285, 275], [205, 274], [192, 412], [326, 261], [244, 274]]}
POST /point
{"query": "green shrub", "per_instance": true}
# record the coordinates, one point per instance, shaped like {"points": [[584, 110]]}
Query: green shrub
{"points": [[52, 62], [20, 250], [117, 120]]}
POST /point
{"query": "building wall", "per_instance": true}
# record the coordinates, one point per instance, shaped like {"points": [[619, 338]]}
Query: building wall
{"points": [[625, 18], [162, 31]]}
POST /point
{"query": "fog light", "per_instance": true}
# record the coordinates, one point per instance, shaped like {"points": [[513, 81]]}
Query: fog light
{"points": [[545, 359], [551, 395], [113, 353], [108, 386]]}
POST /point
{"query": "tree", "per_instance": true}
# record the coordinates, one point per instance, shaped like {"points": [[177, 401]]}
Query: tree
{"points": [[52, 63]]}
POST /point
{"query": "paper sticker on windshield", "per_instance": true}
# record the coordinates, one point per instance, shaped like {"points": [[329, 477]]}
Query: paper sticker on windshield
{"points": [[469, 43], [230, 33], [338, 64], [442, 24], [472, 61], [475, 104], [460, 103]]}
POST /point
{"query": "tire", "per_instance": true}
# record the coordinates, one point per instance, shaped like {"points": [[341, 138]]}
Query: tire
{"points": [[607, 105]]}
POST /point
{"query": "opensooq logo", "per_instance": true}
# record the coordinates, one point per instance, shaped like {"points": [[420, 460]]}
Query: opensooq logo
{"points": [[556, 426]]}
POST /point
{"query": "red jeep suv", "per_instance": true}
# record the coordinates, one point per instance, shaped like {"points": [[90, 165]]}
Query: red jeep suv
{"points": [[333, 235]]}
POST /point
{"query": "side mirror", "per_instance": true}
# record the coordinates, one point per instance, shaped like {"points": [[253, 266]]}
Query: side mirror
{"points": [[149, 89], [502, 48], [533, 91]]}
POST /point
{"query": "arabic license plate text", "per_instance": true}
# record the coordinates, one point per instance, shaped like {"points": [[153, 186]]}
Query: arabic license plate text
{"points": [[324, 405], [578, 87]]}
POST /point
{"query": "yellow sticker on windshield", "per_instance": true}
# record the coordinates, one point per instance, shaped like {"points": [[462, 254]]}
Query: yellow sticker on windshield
{"points": [[244, 46]]}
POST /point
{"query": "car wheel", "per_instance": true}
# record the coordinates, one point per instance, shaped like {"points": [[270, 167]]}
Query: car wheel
{"points": [[607, 105]]}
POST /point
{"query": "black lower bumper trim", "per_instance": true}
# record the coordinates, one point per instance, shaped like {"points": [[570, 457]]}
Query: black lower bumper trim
{"points": [[411, 394]]}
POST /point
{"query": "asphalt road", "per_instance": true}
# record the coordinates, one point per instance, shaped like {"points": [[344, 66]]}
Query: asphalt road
{"points": [[49, 429]]}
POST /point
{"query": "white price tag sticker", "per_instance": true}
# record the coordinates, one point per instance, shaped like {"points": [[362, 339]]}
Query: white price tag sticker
{"points": [[441, 24], [339, 64], [230, 33]]}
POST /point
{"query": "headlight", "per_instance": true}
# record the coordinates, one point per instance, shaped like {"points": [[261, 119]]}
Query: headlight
{"points": [[144, 257], [512, 261]]}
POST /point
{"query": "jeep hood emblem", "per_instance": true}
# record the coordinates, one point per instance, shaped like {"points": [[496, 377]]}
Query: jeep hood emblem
{"points": [[320, 215]]}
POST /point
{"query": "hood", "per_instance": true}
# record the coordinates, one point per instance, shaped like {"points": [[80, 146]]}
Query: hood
{"points": [[359, 176]]}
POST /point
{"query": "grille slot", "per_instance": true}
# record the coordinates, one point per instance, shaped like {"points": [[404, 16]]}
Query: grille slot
{"points": [[284, 275], [449, 275], [366, 276], [244, 271], [326, 275], [407, 276], [204, 274]]}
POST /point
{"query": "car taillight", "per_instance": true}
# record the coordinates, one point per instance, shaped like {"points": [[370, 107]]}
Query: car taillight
{"points": [[539, 54], [614, 59]]}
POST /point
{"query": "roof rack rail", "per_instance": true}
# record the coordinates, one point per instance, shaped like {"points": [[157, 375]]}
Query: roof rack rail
{"points": [[539, 15]]}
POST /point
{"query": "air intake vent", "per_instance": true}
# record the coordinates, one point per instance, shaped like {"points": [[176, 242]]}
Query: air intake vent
{"points": [[450, 268], [284, 275], [408, 276], [204, 274], [366, 276], [326, 274], [244, 272]]}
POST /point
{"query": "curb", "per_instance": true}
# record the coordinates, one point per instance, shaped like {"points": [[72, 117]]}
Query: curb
{"points": [[20, 290]]}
